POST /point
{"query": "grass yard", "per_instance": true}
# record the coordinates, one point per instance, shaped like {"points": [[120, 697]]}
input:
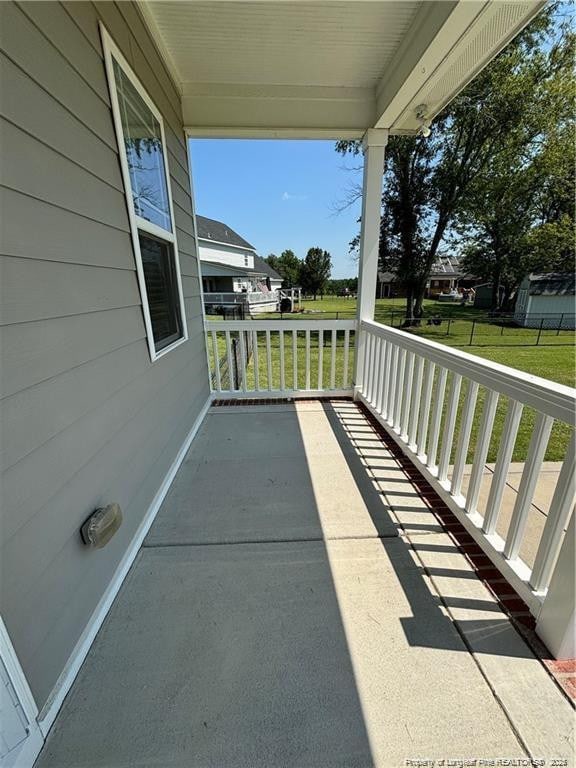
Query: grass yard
{"points": [[499, 342], [552, 359]]}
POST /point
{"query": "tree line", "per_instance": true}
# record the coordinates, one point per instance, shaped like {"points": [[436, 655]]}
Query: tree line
{"points": [[495, 181], [311, 274]]}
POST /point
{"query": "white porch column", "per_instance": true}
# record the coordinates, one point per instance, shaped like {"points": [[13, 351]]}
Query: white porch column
{"points": [[373, 144], [556, 622]]}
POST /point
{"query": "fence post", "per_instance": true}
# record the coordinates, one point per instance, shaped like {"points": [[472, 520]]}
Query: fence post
{"points": [[540, 331], [234, 374], [472, 333], [560, 324]]}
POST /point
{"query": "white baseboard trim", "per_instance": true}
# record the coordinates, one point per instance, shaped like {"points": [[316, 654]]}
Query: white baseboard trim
{"points": [[64, 683]]}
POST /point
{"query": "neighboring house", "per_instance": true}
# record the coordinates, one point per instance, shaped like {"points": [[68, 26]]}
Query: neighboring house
{"points": [[547, 300], [232, 271], [446, 276]]}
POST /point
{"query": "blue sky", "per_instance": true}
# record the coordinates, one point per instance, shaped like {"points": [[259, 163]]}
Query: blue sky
{"points": [[279, 194]]}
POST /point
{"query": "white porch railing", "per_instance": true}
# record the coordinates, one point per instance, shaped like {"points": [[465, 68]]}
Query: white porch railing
{"points": [[440, 405], [414, 386], [257, 358]]}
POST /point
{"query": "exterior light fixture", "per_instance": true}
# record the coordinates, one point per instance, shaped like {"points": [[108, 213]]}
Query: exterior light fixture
{"points": [[102, 524], [421, 116]]}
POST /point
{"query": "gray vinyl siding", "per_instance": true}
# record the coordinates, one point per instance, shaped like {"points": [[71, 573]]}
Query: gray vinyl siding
{"points": [[86, 418]]}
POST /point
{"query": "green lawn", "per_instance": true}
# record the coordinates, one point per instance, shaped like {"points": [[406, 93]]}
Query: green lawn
{"points": [[342, 373], [552, 359], [508, 345]]}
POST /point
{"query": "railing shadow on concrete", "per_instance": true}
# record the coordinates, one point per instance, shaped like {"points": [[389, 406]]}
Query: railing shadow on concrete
{"points": [[492, 634]]}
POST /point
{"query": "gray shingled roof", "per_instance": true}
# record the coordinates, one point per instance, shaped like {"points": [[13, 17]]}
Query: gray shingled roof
{"points": [[217, 231], [553, 284], [210, 229], [261, 266]]}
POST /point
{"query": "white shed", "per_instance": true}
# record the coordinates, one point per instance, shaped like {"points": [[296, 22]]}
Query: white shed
{"points": [[547, 300]]}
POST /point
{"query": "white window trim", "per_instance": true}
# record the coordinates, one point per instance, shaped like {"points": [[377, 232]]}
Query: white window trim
{"points": [[136, 222]]}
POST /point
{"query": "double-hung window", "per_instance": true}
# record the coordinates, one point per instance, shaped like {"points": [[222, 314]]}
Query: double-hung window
{"points": [[143, 156]]}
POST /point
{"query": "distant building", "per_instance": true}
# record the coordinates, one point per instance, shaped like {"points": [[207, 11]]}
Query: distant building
{"points": [[232, 271], [447, 276], [547, 300], [387, 286], [444, 276], [483, 297]]}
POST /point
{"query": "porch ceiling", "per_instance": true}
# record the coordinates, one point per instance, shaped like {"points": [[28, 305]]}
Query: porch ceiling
{"points": [[325, 68]]}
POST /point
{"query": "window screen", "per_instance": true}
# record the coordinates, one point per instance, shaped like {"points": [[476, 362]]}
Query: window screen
{"points": [[162, 290]]}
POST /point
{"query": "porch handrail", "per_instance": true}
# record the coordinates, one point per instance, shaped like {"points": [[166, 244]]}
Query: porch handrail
{"points": [[555, 400], [250, 358], [420, 390], [280, 325]]}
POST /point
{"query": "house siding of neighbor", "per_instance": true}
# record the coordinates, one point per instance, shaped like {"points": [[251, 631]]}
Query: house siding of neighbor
{"points": [[230, 265], [548, 300], [87, 418]]}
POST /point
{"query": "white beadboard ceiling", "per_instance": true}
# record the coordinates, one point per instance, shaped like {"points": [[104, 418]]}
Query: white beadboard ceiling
{"points": [[328, 67], [283, 43]]}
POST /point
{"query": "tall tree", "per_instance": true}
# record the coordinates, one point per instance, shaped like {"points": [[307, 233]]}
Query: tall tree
{"points": [[315, 271], [427, 181], [518, 215]]}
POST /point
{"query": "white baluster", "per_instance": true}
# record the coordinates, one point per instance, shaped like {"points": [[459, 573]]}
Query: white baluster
{"points": [[561, 508], [399, 394], [320, 359], [449, 426], [481, 452], [295, 360], [375, 368], [216, 361], [437, 417], [530, 475], [464, 438], [502, 466], [346, 357], [408, 378], [416, 402], [425, 410], [392, 376], [269, 360], [256, 363], [282, 372], [229, 359], [307, 387], [242, 360], [383, 376], [333, 362]]}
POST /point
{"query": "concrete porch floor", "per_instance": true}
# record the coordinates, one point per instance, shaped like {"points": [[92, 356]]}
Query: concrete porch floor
{"points": [[296, 604]]}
